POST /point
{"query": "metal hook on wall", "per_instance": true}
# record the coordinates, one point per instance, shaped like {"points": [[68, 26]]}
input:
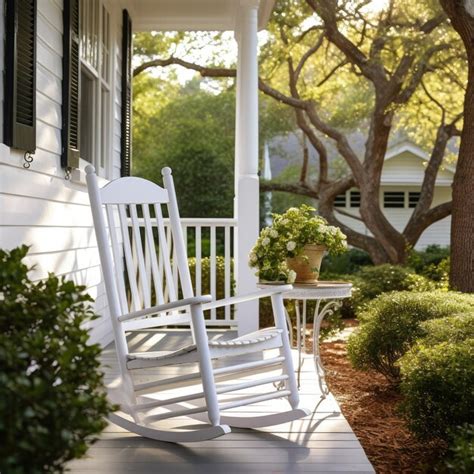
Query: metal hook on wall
{"points": [[28, 158]]}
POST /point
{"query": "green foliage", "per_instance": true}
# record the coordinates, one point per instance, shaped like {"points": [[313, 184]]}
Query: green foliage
{"points": [[438, 387], [454, 329], [372, 281], [460, 459], [52, 398], [348, 262], [432, 262], [390, 324], [192, 134]]}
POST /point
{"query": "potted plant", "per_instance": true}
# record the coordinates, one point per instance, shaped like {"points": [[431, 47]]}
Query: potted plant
{"points": [[291, 249]]}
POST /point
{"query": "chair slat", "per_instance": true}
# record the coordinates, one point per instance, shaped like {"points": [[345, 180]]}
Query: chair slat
{"points": [[142, 277], [118, 258], [150, 244], [165, 251], [127, 248]]}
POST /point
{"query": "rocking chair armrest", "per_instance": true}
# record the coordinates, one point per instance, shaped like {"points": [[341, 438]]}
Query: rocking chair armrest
{"points": [[272, 290], [174, 305]]}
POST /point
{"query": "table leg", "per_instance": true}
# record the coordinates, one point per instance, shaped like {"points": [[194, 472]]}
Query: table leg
{"points": [[290, 328], [323, 308]]}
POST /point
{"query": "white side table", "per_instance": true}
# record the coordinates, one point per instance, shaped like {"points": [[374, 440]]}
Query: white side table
{"points": [[328, 296]]}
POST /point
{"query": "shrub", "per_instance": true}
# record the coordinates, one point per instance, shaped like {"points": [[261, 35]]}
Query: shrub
{"points": [[206, 279], [391, 323], [348, 262], [52, 398], [438, 387], [456, 328], [373, 281], [460, 457], [425, 262]]}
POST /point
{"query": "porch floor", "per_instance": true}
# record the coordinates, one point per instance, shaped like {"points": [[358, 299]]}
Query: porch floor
{"points": [[321, 442]]}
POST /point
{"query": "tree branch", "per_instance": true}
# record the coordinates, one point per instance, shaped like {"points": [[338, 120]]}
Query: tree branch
{"points": [[435, 214], [420, 69], [219, 72], [341, 141], [326, 9], [416, 223], [348, 214], [307, 55]]}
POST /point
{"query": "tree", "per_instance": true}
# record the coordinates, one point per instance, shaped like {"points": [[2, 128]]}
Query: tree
{"points": [[193, 135], [339, 63], [461, 14]]}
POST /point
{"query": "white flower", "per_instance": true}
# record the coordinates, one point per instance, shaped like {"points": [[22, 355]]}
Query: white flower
{"points": [[274, 233], [253, 257], [265, 241], [290, 246], [332, 230], [284, 221], [291, 276]]}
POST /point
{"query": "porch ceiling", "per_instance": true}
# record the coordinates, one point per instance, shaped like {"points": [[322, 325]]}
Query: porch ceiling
{"points": [[187, 15]]}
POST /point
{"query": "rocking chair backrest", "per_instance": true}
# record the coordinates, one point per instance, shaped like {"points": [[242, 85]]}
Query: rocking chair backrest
{"points": [[136, 253]]}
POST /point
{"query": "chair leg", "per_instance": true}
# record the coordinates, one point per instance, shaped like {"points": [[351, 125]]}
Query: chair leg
{"points": [[205, 364], [285, 350]]}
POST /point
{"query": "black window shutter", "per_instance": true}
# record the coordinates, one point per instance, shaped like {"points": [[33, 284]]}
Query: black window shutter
{"points": [[19, 128], [71, 85], [126, 132]]}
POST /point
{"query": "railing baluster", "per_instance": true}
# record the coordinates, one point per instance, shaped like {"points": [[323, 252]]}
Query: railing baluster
{"points": [[198, 261], [227, 264], [212, 265]]}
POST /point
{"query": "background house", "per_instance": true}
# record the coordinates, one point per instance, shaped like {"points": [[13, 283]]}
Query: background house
{"points": [[401, 181]]}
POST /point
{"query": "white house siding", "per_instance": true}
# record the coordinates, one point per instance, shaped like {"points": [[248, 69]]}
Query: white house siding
{"points": [[38, 207], [407, 168], [437, 233]]}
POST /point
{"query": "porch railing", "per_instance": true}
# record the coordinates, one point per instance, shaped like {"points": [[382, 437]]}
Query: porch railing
{"points": [[210, 245]]}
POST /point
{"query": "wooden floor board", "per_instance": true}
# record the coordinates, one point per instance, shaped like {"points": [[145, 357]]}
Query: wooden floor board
{"points": [[321, 442]]}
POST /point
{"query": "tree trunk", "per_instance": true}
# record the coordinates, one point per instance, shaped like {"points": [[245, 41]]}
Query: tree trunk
{"points": [[462, 222]]}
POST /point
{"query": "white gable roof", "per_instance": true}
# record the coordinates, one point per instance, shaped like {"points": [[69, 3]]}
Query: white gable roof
{"points": [[405, 163]]}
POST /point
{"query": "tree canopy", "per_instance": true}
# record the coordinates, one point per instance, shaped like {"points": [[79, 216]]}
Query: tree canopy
{"points": [[378, 66]]}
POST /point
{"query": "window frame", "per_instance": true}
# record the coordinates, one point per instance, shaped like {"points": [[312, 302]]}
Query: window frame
{"points": [[102, 138]]}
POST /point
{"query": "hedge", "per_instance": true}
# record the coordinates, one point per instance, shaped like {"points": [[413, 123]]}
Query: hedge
{"points": [[438, 387], [390, 324], [456, 328]]}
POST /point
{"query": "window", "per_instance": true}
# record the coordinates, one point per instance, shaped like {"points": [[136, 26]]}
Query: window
{"points": [[394, 199], [95, 83], [355, 198], [340, 200], [413, 198]]}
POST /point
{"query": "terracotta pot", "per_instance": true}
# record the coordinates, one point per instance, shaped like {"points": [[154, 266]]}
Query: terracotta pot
{"points": [[307, 264]]}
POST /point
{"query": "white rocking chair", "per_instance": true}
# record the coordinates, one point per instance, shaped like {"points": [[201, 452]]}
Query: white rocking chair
{"points": [[142, 244]]}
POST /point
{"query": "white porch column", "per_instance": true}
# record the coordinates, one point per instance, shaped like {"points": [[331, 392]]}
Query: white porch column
{"points": [[246, 205]]}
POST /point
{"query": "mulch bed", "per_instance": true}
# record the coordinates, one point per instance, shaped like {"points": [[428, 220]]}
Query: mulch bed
{"points": [[369, 404]]}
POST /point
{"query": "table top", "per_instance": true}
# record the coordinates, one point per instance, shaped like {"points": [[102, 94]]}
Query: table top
{"points": [[318, 291]]}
